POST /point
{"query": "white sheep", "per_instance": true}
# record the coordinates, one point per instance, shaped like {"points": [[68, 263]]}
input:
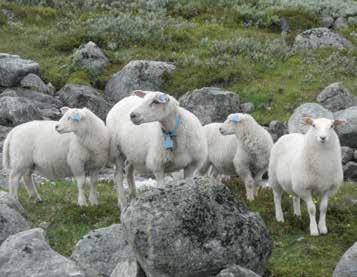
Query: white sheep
{"points": [[249, 157], [155, 135], [303, 165], [75, 146]]}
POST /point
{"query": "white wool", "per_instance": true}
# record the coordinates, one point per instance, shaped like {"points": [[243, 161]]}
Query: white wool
{"points": [[37, 147], [142, 145], [303, 166]]}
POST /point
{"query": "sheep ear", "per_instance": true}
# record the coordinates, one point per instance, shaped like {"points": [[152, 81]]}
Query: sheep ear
{"points": [[163, 98], [64, 110], [139, 93], [308, 120], [339, 122]]}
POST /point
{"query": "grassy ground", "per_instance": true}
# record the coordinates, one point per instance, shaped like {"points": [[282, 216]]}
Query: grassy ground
{"points": [[295, 253]]}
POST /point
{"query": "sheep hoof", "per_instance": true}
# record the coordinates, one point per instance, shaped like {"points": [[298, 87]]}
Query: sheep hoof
{"points": [[82, 203], [314, 233], [323, 230]]}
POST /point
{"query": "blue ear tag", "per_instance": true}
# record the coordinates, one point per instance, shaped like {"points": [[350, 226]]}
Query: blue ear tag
{"points": [[163, 98], [76, 117], [235, 118], [168, 142]]}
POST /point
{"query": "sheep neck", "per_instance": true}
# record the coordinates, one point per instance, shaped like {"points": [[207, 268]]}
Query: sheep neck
{"points": [[169, 123]]}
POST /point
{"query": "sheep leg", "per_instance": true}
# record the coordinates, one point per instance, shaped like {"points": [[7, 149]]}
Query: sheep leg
{"points": [[323, 210], [81, 180], [296, 205], [93, 188], [189, 170], [160, 178], [279, 215], [131, 181], [258, 181], [14, 181], [31, 187], [203, 170], [312, 214], [118, 180]]}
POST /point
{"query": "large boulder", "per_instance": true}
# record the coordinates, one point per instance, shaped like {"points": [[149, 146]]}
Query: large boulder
{"points": [[48, 106], [194, 227], [296, 121], [90, 57], [17, 110], [347, 154], [3, 172], [128, 268], [277, 129], [211, 104], [11, 202], [13, 69], [347, 266], [335, 97], [320, 38], [34, 82], [79, 96], [139, 74], [350, 171], [237, 271], [28, 254], [99, 252], [348, 132]]}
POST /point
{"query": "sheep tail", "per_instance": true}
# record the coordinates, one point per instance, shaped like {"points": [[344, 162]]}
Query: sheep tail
{"points": [[6, 153]]}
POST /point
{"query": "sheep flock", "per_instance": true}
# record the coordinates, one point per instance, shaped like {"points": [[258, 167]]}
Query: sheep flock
{"points": [[149, 133]]}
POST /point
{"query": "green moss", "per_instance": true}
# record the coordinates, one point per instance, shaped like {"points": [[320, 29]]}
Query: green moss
{"points": [[80, 77]]}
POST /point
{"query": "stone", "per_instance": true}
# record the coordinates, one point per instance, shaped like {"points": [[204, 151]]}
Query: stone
{"points": [[335, 97], [340, 23], [90, 57], [347, 154], [284, 25], [348, 132], [277, 129], [17, 110], [247, 107], [211, 104], [321, 38], [327, 21], [347, 266], [355, 155], [350, 171], [99, 252], [13, 69], [194, 227], [27, 254], [237, 271], [138, 74], [79, 96], [11, 202], [34, 82], [48, 106], [128, 268], [296, 121]]}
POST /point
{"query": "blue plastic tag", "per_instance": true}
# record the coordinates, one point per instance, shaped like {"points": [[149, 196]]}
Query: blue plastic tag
{"points": [[163, 98], [76, 117], [235, 118], [168, 143]]}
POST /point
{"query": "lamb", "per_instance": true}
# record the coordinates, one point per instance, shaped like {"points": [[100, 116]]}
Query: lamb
{"points": [[75, 146], [154, 135], [303, 165], [249, 157]]}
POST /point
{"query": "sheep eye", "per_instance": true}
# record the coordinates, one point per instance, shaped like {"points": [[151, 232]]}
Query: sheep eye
{"points": [[313, 125], [155, 102]]}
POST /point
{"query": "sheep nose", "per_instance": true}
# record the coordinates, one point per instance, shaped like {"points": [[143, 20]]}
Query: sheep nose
{"points": [[56, 127], [133, 115], [322, 138]]}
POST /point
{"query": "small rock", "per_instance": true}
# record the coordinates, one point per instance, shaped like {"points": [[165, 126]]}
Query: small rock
{"points": [[247, 107], [348, 132], [27, 254], [34, 82], [296, 121], [51, 89], [327, 21], [211, 104], [90, 57], [335, 97], [350, 171], [347, 266], [347, 154], [320, 38], [284, 24], [13, 69], [277, 129], [237, 271], [340, 23], [128, 268], [78, 96], [139, 74]]}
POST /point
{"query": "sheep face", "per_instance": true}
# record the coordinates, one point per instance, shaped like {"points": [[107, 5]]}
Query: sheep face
{"points": [[322, 128], [233, 121], [156, 106], [70, 120]]}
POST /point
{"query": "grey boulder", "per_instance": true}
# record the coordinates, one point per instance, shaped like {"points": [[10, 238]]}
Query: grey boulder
{"points": [[211, 104], [79, 96], [138, 74], [321, 38], [296, 121], [327, 21], [11, 202], [340, 23], [335, 97], [347, 154], [34, 82], [237, 271], [128, 268], [350, 171], [277, 129], [347, 266], [28, 254], [194, 227], [99, 252], [247, 107], [13, 69], [17, 110], [348, 131], [90, 57]]}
